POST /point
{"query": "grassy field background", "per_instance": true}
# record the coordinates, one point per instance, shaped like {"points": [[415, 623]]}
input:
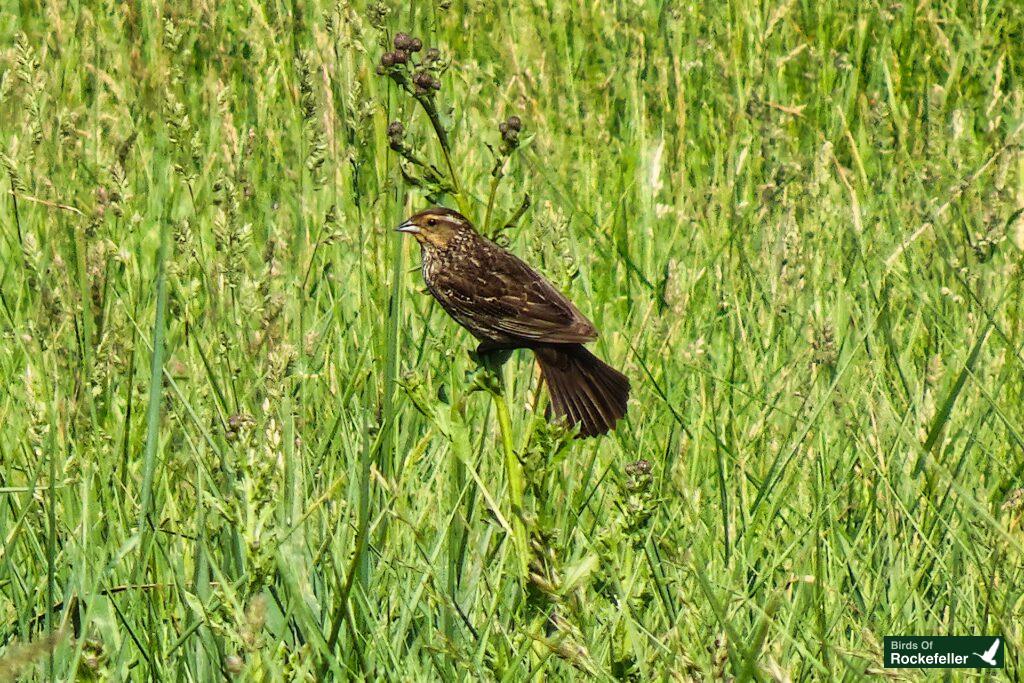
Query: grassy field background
{"points": [[236, 438]]}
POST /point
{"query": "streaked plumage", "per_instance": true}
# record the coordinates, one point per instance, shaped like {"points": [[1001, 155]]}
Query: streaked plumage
{"points": [[507, 305]]}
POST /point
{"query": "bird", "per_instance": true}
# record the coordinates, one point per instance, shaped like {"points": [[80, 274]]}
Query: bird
{"points": [[989, 656], [507, 305]]}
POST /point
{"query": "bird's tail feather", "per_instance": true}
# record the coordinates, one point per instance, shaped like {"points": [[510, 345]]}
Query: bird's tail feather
{"points": [[584, 389]]}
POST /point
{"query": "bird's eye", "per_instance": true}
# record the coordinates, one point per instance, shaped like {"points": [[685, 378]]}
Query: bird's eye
{"points": [[432, 221]]}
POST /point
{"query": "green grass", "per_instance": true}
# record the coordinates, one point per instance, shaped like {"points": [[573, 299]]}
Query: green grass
{"points": [[237, 439]]}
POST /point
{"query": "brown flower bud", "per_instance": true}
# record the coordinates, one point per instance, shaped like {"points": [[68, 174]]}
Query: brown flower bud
{"points": [[638, 468], [423, 81], [401, 56], [435, 83], [515, 123], [415, 45], [387, 59], [396, 131], [234, 664], [509, 134], [402, 41]]}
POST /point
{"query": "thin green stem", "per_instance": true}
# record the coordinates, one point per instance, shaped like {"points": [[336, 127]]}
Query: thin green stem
{"points": [[153, 413], [514, 472], [442, 138], [495, 180]]}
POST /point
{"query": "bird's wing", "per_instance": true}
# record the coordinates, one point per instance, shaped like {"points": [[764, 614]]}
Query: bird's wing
{"points": [[990, 653], [504, 297]]}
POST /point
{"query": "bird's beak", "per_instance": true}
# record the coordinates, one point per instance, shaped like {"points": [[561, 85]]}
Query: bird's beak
{"points": [[409, 227]]}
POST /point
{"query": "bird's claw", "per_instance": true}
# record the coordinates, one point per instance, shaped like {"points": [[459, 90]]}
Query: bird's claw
{"points": [[484, 378], [487, 373], [490, 357]]}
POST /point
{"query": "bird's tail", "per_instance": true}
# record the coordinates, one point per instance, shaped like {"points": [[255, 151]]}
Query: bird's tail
{"points": [[584, 389]]}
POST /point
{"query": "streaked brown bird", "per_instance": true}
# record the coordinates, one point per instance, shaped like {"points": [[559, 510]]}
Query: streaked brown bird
{"points": [[507, 305]]}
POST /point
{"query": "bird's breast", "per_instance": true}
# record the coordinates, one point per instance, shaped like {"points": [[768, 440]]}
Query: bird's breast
{"points": [[429, 266]]}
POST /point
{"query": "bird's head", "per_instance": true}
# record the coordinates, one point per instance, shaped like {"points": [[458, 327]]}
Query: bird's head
{"points": [[436, 227]]}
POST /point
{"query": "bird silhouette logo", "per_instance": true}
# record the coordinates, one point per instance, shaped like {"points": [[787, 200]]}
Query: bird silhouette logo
{"points": [[989, 656]]}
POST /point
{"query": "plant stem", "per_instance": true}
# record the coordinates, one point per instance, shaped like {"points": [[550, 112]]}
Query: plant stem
{"points": [[514, 472], [495, 179], [146, 525], [442, 137]]}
